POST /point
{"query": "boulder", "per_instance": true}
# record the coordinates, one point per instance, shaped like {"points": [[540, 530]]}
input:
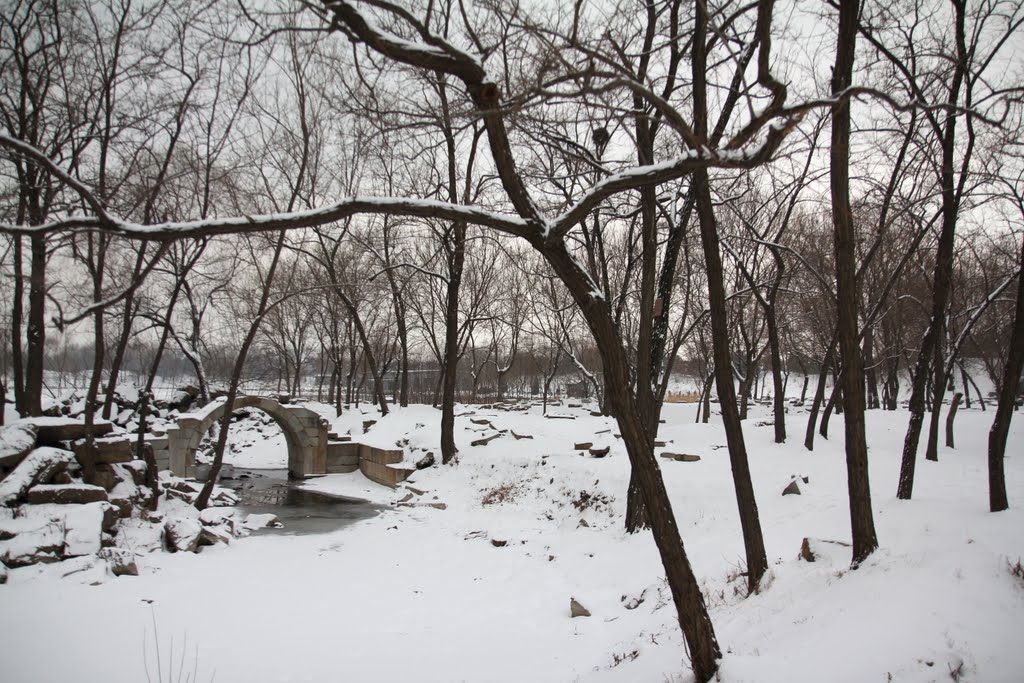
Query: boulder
{"points": [[577, 610], [182, 534], [16, 441], [583, 445], [66, 494], [600, 452], [792, 489], [120, 560], [425, 462], [37, 467], [3, 573]]}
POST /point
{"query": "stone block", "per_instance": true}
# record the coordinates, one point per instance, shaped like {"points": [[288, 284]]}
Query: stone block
{"points": [[66, 494]]}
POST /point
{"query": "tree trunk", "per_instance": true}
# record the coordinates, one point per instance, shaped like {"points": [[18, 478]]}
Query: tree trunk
{"points": [[753, 541], [943, 274], [819, 394], [1008, 391], [779, 404], [451, 343], [17, 316], [952, 416], [861, 518], [36, 328]]}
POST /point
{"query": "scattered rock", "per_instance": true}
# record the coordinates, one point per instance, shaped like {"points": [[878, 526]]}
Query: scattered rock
{"points": [[406, 498], [681, 457], [367, 424], [66, 494], [577, 610], [3, 573], [600, 452], [417, 491], [485, 440], [438, 506], [521, 436], [792, 489], [498, 544], [120, 560], [425, 462], [633, 603], [583, 523], [583, 445], [182, 534], [811, 549]]}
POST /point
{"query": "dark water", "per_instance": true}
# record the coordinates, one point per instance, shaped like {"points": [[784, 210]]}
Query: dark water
{"points": [[300, 510]]}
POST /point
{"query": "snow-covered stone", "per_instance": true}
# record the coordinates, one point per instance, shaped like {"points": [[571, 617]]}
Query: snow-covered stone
{"points": [[84, 526], [16, 441], [38, 540], [261, 521], [66, 494], [37, 467], [120, 560], [182, 534]]}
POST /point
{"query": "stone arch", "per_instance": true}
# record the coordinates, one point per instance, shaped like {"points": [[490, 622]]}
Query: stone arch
{"points": [[304, 430]]}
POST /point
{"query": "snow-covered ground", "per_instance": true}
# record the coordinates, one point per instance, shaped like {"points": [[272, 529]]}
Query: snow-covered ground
{"points": [[428, 594]]}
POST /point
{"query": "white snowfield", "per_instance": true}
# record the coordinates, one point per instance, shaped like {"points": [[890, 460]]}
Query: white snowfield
{"points": [[426, 594]]}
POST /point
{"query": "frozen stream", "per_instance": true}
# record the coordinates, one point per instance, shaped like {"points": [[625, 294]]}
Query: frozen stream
{"points": [[300, 510]]}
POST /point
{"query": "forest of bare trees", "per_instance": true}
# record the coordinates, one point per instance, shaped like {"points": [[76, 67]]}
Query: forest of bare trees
{"points": [[398, 202]]}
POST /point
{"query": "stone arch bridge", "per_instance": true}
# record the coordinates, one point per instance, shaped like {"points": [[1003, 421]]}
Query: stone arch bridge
{"points": [[312, 449]]}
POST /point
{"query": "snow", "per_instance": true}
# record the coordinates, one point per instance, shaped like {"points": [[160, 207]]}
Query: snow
{"points": [[429, 584]]}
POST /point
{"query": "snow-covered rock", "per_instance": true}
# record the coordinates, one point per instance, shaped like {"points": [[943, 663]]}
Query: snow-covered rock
{"points": [[35, 540], [261, 521], [16, 441], [120, 560], [66, 494], [182, 534], [84, 526], [37, 467]]}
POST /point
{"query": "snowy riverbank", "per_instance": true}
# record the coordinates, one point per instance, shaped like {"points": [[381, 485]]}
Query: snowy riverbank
{"points": [[429, 594]]}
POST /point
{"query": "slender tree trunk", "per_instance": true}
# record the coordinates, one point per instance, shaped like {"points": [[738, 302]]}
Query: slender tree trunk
{"points": [[236, 375], [17, 319], [451, 343], [36, 327], [779, 403], [819, 394], [1008, 391], [861, 517], [952, 416], [753, 541], [943, 273]]}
